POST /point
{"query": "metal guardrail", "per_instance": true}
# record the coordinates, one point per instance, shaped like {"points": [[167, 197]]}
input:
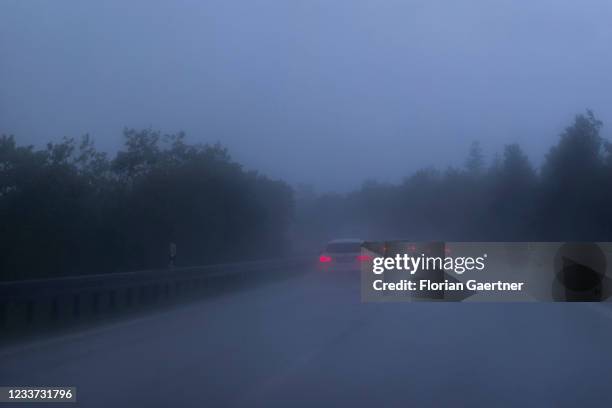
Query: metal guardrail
{"points": [[60, 301]]}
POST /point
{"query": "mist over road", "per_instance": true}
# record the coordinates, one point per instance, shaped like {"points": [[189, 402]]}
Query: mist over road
{"points": [[309, 341]]}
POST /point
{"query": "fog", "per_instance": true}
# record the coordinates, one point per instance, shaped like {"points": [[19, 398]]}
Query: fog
{"points": [[149, 268], [318, 92]]}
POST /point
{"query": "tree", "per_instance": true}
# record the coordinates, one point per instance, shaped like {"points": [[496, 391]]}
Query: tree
{"points": [[572, 205], [69, 209], [512, 196], [579, 154], [475, 160]]}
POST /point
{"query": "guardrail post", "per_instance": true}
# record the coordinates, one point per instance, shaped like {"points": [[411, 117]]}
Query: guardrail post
{"points": [[141, 295], [29, 311], [76, 306], [129, 297], [3, 317], [96, 304], [112, 300], [55, 309]]}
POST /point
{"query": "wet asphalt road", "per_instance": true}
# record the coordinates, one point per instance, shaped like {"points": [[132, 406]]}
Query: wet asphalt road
{"points": [[310, 341]]}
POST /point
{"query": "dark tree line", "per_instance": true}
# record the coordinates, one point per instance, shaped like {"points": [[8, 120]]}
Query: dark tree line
{"points": [[70, 209], [568, 199]]}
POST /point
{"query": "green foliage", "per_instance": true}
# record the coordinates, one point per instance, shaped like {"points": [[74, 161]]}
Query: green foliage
{"points": [[570, 199], [69, 209]]}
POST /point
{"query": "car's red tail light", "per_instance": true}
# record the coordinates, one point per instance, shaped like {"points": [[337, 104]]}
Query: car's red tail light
{"points": [[363, 258], [324, 258]]}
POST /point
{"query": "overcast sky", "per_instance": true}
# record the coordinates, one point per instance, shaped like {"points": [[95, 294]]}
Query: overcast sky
{"points": [[323, 92]]}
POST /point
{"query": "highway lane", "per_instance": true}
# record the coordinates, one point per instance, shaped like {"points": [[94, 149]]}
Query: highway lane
{"points": [[309, 341]]}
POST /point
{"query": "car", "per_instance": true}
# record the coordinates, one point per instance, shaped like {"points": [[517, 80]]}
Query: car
{"points": [[343, 254]]}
